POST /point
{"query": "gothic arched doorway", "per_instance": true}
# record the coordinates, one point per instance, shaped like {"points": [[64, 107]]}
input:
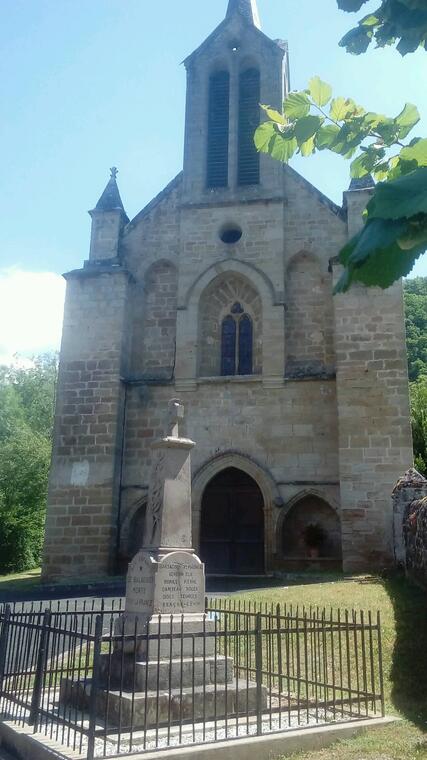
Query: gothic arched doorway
{"points": [[232, 525]]}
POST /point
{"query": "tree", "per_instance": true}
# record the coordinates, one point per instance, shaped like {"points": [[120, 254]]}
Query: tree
{"points": [[395, 230], [419, 423], [404, 21], [26, 422], [415, 292]]}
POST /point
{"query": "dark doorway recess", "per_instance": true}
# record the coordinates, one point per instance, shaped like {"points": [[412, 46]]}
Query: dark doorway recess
{"points": [[232, 525]]}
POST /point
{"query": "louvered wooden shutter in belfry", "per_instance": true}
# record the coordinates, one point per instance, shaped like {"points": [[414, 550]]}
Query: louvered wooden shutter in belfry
{"points": [[228, 346], [249, 119], [245, 346], [218, 129]]}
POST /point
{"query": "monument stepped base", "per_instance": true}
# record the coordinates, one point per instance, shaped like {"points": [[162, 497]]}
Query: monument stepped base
{"points": [[154, 708], [116, 672]]}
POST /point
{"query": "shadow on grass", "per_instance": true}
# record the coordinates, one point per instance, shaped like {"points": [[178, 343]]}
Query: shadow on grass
{"points": [[235, 584], [409, 660]]}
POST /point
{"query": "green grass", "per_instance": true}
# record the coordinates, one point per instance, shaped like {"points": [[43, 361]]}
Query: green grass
{"points": [[20, 581], [403, 610]]}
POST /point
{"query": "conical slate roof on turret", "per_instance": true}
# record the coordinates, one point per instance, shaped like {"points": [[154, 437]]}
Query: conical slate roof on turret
{"points": [[110, 199], [247, 8]]}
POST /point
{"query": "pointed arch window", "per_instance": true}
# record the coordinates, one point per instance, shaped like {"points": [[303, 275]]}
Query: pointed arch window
{"points": [[237, 343], [218, 129], [249, 119]]}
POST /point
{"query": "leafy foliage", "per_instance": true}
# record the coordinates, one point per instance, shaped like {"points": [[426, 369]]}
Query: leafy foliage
{"points": [[395, 232], [419, 423], [401, 21], [26, 421], [415, 292]]}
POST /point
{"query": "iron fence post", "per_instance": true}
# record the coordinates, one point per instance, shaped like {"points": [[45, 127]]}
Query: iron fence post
{"points": [[4, 635], [39, 677], [380, 658], [258, 670], [94, 687], [279, 648]]}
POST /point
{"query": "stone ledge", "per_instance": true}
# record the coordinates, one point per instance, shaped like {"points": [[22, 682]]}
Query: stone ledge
{"points": [[24, 744]]}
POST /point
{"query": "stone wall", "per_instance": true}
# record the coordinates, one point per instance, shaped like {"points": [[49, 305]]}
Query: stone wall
{"points": [[375, 441], [415, 532], [309, 317], [285, 436], [84, 487], [410, 524]]}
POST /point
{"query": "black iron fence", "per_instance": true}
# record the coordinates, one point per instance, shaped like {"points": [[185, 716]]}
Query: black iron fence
{"points": [[88, 681]]}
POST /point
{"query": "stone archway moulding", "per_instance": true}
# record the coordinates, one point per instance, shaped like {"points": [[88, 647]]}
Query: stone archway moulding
{"points": [[232, 266], [273, 360], [261, 476]]}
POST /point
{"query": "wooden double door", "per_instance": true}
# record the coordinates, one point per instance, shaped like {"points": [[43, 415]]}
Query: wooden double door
{"points": [[232, 525]]}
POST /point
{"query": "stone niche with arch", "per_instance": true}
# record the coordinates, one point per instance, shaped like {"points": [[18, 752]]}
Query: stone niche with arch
{"points": [[230, 303], [309, 534]]}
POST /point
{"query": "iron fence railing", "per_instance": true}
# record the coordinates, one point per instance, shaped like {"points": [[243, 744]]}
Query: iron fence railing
{"points": [[78, 675]]}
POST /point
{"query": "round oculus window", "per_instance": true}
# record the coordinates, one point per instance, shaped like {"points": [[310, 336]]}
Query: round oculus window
{"points": [[230, 234]]}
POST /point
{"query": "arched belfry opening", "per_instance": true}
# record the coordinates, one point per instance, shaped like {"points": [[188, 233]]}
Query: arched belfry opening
{"points": [[232, 525]]}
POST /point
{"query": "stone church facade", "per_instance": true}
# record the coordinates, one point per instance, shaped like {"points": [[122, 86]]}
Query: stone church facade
{"points": [[219, 292]]}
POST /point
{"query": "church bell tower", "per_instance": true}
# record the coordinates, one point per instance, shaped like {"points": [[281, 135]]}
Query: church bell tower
{"points": [[234, 70]]}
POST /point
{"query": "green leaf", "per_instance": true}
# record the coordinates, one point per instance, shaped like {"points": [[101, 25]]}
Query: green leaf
{"points": [[370, 20], [297, 105], [363, 164], [404, 197], [274, 115], [357, 41], [307, 127], [308, 148], [374, 256], [387, 129], [371, 120], [281, 148], [381, 171], [326, 136], [263, 135], [416, 234], [340, 109], [376, 235], [351, 5], [321, 92], [407, 119], [416, 152]]}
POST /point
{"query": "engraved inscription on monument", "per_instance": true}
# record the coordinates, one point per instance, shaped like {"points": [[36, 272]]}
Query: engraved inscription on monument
{"points": [[140, 585], [180, 584]]}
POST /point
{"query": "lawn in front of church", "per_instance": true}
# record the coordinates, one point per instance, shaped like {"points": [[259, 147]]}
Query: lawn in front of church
{"points": [[403, 609]]}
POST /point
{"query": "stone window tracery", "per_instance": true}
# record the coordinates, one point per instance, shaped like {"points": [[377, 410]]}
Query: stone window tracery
{"points": [[230, 328], [237, 343]]}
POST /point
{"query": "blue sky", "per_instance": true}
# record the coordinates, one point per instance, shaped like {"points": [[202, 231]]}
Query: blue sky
{"points": [[86, 84]]}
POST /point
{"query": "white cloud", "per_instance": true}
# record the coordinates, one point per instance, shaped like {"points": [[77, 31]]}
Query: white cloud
{"points": [[31, 310]]}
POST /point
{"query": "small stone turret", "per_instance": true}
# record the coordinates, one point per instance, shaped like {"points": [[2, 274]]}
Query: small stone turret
{"points": [[108, 219]]}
